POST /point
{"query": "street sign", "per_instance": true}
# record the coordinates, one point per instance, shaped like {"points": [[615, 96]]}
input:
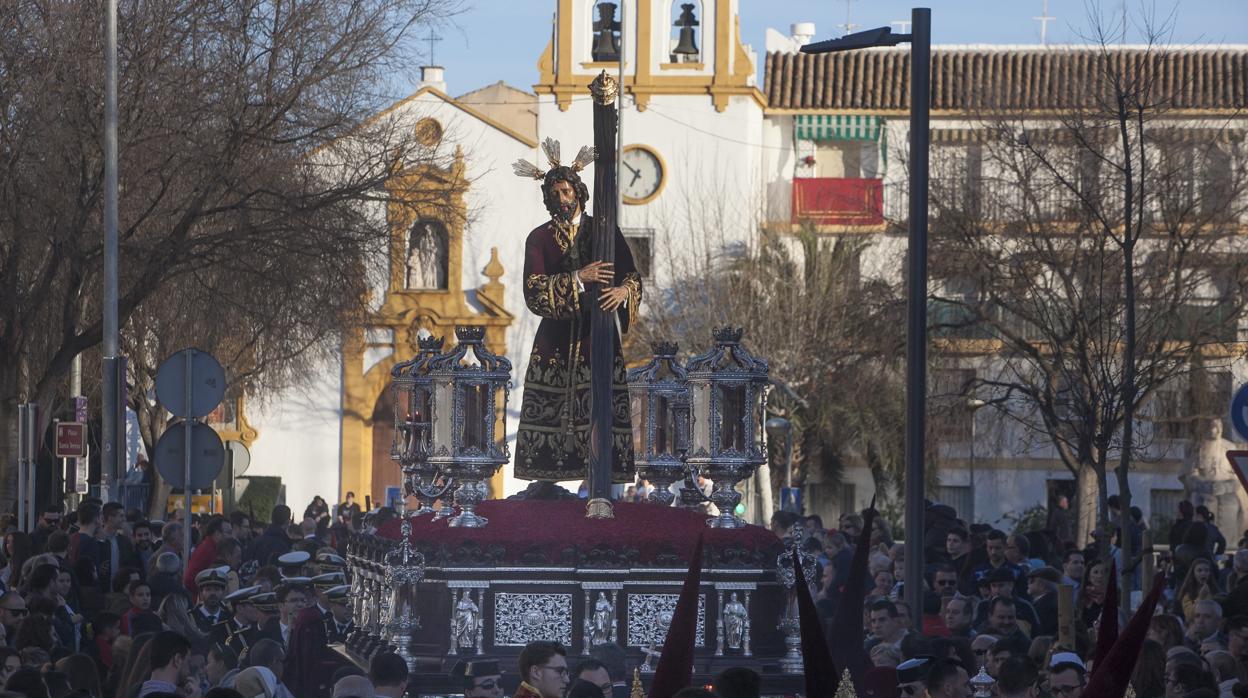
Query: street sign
{"points": [[71, 440], [1239, 464], [206, 383], [207, 455], [237, 457], [1239, 412]]}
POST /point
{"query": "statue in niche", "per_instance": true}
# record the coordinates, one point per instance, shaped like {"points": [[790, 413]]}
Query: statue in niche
{"points": [[467, 621], [427, 256], [734, 622], [604, 620], [1209, 480]]}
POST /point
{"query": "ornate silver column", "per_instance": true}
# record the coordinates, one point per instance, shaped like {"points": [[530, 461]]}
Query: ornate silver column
{"points": [[790, 625], [404, 569]]}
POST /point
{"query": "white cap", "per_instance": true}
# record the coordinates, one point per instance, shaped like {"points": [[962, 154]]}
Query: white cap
{"points": [[1067, 658]]}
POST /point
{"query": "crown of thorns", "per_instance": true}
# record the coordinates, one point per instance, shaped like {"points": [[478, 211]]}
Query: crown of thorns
{"points": [[550, 146]]}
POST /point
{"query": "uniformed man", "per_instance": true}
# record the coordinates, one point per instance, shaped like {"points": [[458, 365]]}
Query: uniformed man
{"points": [[238, 631], [912, 677], [211, 584], [339, 623], [330, 562], [292, 564], [322, 583], [481, 678], [267, 610]]}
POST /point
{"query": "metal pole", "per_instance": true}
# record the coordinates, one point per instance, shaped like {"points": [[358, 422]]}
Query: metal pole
{"points": [[788, 457], [187, 423], [619, 125], [970, 515], [110, 469], [916, 325], [22, 442]]}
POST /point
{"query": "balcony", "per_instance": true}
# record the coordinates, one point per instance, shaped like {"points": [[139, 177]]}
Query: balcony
{"points": [[838, 201]]}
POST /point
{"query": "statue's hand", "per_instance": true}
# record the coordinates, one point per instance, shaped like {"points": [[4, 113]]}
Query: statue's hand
{"points": [[596, 272], [610, 299]]}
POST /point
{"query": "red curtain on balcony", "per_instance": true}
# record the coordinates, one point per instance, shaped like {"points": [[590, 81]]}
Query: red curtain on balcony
{"points": [[838, 201]]}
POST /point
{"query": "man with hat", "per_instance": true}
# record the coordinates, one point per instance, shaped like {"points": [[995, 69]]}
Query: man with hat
{"points": [[211, 584], [912, 677], [267, 611], [481, 678], [239, 630], [291, 564], [1042, 584], [322, 583], [338, 623], [330, 562]]}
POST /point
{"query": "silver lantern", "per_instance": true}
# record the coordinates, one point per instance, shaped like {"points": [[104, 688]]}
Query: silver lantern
{"points": [[471, 387], [659, 399], [728, 397], [412, 390]]}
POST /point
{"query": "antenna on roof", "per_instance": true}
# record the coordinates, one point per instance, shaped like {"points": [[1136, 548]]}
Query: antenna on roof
{"points": [[1044, 20], [903, 25], [848, 26]]}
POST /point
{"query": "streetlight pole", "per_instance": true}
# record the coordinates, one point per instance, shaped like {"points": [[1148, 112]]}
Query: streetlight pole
{"points": [[920, 40], [973, 405], [110, 415]]}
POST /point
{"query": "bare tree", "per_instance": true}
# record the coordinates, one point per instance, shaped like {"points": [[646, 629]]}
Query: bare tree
{"points": [[1094, 253], [232, 125]]}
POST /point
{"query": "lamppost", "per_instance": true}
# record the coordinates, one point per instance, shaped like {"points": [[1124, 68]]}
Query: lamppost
{"points": [[972, 404], [783, 427], [920, 40]]}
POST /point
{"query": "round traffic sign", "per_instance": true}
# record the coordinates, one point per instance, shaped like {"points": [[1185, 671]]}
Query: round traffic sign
{"points": [[1239, 412], [207, 455], [207, 383], [237, 456]]}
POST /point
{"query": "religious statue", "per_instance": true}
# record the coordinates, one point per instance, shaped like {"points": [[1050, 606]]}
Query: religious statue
{"points": [[467, 622], [734, 622], [553, 438], [1207, 476], [603, 621], [426, 256]]}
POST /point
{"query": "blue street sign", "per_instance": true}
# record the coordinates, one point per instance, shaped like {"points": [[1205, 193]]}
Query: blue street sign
{"points": [[791, 499], [1239, 412]]}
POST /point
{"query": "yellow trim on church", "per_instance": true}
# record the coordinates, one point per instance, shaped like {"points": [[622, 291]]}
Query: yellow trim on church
{"points": [[732, 73], [424, 193]]}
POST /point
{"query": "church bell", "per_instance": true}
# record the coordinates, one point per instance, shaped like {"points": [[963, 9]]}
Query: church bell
{"points": [[607, 40], [686, 45]]}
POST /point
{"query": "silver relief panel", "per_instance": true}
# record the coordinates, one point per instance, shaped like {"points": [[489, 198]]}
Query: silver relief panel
{"points": [[650, 615], [522, 618]]}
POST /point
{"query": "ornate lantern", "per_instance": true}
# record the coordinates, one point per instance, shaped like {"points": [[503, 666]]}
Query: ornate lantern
{"points": [[660, 406], [412, 389], [728, 396], [466, 394]]}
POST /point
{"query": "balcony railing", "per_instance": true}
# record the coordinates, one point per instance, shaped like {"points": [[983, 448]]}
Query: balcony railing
{"points": [[838, 201]]}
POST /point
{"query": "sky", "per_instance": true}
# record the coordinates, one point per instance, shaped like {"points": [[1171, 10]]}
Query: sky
{"points": [[496, 40]]}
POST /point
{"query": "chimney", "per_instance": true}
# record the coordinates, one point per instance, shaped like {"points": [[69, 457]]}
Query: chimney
{"points": [[435, 76], [803, 32]]}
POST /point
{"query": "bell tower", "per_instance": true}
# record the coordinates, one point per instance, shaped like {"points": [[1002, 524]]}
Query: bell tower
{"points": [[670, 47]]}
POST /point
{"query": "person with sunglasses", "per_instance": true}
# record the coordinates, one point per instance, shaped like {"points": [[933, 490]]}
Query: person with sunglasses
{"points": [[481, 678], [12, 613]]}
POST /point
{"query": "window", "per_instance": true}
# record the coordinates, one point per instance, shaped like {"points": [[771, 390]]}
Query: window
{"points": [[1164, 505], [956, 496], [686, 36], [641, 244], [953, 420], [606, 42]]}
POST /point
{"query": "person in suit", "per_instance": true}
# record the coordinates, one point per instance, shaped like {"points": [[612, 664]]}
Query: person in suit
{"points": [[339, 624], [242, 619], [1042, 587]]}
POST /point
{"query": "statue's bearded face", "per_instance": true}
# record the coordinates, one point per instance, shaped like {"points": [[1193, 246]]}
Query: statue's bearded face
{"points": [[567, 204]]}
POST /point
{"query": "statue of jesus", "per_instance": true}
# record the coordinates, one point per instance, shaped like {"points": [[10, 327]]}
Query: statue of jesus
{"points": [[553, 440]]}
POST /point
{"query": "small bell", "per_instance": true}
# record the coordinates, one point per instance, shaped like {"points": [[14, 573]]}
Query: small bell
{"points": [[687, 44], [607, 41]]}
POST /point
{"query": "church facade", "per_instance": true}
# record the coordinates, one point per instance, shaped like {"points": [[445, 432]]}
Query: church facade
{"points": [[714, 154]]}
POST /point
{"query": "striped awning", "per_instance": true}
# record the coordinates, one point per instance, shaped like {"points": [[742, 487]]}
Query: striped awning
{"points": [[829, 127]]}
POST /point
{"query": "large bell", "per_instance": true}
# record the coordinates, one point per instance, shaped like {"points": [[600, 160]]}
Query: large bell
{"points": [[687, 44], [607, 40]]}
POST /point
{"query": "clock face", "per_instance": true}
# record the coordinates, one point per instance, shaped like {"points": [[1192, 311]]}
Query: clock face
{"points": [[641, 174]]}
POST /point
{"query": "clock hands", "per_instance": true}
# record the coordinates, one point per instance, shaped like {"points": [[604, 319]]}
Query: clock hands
{"points": [[636, 172], [636, 176]]}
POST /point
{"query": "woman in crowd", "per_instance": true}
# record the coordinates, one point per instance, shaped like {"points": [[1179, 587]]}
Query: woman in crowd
{"points": [[82, 674], [175, 614], [1201, 583], [1092, 591], [18, 547]]}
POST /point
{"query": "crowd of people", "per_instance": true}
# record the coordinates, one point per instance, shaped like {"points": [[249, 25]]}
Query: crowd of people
{"points": [[991, 603], [103, 603]]}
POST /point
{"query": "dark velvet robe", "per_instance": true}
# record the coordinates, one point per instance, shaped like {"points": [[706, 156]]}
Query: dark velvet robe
{"points": [[553, 441]]}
